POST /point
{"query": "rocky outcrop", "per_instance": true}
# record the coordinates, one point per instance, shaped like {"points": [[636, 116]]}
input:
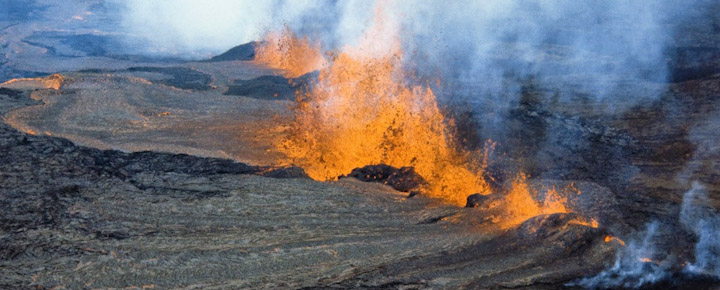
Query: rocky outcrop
{"points": [[242, 52], [403, 179]]}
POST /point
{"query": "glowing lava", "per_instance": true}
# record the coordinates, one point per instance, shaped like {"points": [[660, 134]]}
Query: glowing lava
{"points": [[293, 55], [365, 110], [616, 239], [54, 82], [520, 205]]}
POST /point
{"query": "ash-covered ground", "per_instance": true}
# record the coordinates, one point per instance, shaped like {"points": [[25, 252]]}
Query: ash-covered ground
{"points": [[124, 170]]}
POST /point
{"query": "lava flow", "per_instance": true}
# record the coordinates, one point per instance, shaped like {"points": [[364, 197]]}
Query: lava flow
{"points": [[364, 110], [520, 204]]}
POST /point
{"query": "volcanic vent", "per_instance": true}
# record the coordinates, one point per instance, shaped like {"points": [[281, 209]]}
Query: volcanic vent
{"points": [[364, 107]]}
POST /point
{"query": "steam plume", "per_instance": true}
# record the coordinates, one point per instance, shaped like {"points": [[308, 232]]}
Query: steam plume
{"points": [[194, 28], [704, 222], [607, 56], [633, 266], [642, 263]]}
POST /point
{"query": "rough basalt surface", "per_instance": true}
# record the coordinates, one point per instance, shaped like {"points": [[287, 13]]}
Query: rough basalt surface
{"points": [[76, 217], [403, 179]]}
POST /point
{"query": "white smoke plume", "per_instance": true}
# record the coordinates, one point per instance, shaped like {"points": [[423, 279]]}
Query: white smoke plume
{"points": [[611, 52], [602, 57], [197, 28], [617, 33], [641, 263], [703, 221], [634, 265]]}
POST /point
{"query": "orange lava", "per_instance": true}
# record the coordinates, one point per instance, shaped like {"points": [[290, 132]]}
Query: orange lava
{"points": [[616, 239], [648, 260], [293, 55], [590, 223], [54, 82], [363, 111], [519, 204]]}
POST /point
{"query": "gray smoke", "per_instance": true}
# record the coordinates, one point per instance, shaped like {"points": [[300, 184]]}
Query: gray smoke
{"points": [[601, 58], [594, 45], [609, 52], [194, 28], [642, 262], [700, 219], [605, 55], [704, 136], [631, 268], [199, 28]]}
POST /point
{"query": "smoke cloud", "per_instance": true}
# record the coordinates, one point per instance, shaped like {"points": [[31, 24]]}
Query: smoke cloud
{"points": [[605, 55], [634, 265], [643, 262], [599, 57], [704, 223], [196, 29], [593, 35]]}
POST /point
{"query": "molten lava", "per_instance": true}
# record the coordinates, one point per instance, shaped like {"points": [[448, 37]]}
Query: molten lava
{"points": [[591, 223], [54, 82], [520, 205], [293, 55], [616, 239], [364, 110]]}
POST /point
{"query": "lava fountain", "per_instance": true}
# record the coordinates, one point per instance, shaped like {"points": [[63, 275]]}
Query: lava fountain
{"points": [[365, 109], [293, 55]]}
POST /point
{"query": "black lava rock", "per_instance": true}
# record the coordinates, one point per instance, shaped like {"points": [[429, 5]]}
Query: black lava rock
{"points": [[241, 52], [403, 179], [286, 172], [271, 87], [10, 93], [180, 77], [481, 200], [413, 193], [264, 87]]}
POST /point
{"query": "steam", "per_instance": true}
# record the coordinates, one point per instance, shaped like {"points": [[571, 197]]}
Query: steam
{"points": [[696, 217], [633, 266], [605, 56], [197, 28], [595, 44], [642, 262], [704, 136], [704, 222], [618, 36]]}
